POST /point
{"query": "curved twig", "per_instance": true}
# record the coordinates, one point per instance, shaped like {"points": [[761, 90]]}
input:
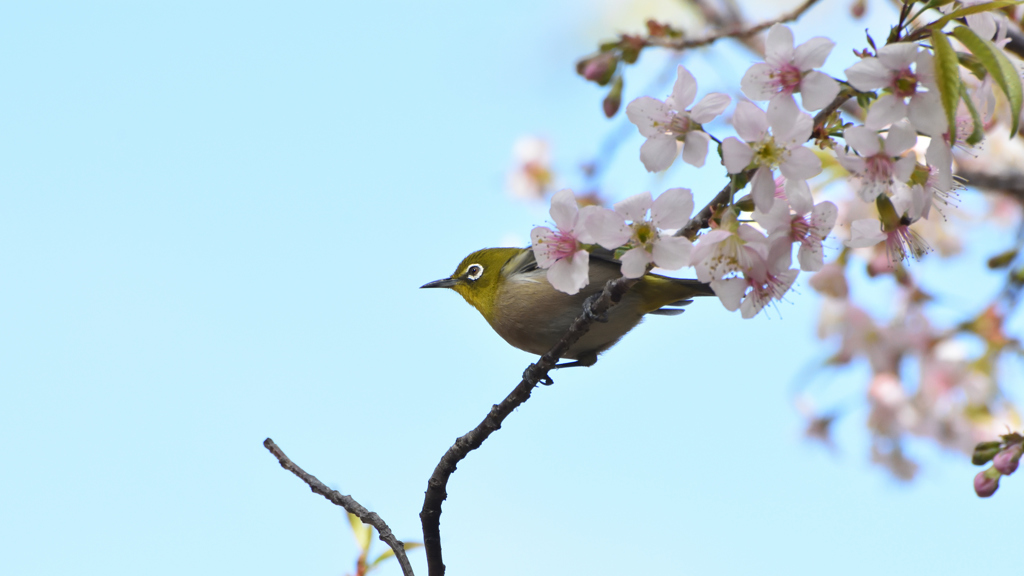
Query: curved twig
{"points": [[346, 502], [732, 32], [430, 516]]}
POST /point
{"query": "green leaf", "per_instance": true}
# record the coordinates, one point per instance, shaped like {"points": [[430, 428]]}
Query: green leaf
{"points": [[362, 532], [968, 10], [947, 76], [390, 553], [979, 132], [971, 62], [998, 65]]}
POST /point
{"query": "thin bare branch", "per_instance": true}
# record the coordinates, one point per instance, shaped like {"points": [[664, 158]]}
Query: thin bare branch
{"points": [[1010, 182], [732, 32], [436, 493], [346, 502]]}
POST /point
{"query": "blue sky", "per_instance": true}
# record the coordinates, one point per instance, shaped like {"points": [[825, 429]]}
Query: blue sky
{"points": [[215, 221]]}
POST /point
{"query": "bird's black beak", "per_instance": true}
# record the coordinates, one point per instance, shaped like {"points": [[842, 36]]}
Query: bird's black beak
{"points": [[442, 283]]}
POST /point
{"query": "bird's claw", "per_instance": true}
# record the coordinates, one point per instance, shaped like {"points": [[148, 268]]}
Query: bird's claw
{"points": [[588, 309], [530, 377]]}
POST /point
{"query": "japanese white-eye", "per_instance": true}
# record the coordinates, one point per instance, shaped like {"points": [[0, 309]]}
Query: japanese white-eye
{"points": [[514, 296]]}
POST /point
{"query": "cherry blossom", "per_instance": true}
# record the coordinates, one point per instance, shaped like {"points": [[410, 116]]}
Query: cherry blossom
{"points": [[667, 123], [881, 163], [894, 228], [783, 148], [809, 229], [628, 226], [890, 70], [561, 251], [732, 247], [786, 70], [765, 283]]}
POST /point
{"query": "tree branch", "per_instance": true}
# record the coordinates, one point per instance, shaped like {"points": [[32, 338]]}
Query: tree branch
{"points": [[436, 493], [346, 502], [1010, 182], [732, 32]]}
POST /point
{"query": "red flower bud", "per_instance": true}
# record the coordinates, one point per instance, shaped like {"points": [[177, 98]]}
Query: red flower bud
{"points": [[1008, 459], [984, 486]]}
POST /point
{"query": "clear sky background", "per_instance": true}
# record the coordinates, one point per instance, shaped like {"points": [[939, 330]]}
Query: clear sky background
{"points": [[215, 219]]}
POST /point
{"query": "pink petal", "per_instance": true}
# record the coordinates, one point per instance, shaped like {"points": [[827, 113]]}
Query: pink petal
{"points": [[736, 155], [570, 275], [869, 74], [658, 152], [885, 111], [801, 164], [927, 115], [695, 148], [635, 261], [864, 233], [817, 90], [799, 195], [672, 209], [823, 218], [863, 139], [778, 218], [650, 116], [811, 257], [635, 207], [812, 54], [539, 238], [898, 55], [757, 82], [751, 122], [778, 47], [608, 228], [685, 89], [790, 126], [940, 156], [709, 107], [730, 292], [762, 189], [853, 164], [901, 138], [672, 252], [904, 167], [564, 209]]}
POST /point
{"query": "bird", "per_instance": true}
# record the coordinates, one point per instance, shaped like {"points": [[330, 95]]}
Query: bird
{"points": [[513, 294]]}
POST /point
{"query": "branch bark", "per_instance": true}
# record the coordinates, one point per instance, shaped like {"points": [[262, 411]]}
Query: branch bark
{"points": [[436, 493], [346, 502], [732, 32]]}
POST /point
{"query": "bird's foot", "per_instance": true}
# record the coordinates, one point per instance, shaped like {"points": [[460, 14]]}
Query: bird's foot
{"points": [[588, 309], [532, 378]]}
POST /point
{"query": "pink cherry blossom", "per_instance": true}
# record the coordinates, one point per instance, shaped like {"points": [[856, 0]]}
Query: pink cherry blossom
{"points": [[894, 228], [765, 284], [808, 229], [891, 70], [783, 148], [667, 124], [787, 70], [561, 251], [628, 226], [732, 247], [880, 164]]}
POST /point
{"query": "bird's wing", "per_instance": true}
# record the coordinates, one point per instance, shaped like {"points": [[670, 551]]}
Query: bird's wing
{"points": [[522, 263]]}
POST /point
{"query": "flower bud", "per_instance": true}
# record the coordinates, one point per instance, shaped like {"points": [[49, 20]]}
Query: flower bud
{"points": [[599, 68], [984, 484], [984, 452], [614, 99], [1007, 460]]}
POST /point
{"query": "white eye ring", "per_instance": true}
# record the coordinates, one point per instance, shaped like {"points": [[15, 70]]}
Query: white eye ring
{"points": [[474, 271]]}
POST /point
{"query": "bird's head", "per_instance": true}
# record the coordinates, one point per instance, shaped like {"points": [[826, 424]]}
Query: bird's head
{"points": [[479, 277]]}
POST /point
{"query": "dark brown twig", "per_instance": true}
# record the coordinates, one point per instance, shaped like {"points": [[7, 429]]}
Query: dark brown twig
{"points": [[732, 32], [436, 493], [1010, 182], [345, 502]]}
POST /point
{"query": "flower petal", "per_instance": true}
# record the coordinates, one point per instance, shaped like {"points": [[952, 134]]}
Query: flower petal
{"points": [[730, 292], [778, 47], [635, 261], [885, 111], [863, 139], [757, 82], [651, 116], [564, 209], [635, 207], [762, 189], [901, 138], [685, 89], [672, 252], [571, 274], [539, 238], [608, 228], [898, 55], [658, 152], [866, 232], [709, 107], [751, 122], [817, 90], [926, 114], [672, 209], [799, 195], [736, 155], [812, 54], [801, 164], [695, 148], [869, 74]]}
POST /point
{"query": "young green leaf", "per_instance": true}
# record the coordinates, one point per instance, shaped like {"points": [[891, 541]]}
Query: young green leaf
{"points": [[978, 133], [968, 10], [947, 76], [998, 65]]}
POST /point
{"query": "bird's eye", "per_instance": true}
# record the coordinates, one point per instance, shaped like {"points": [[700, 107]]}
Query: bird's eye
{"points": [[473, 271]]}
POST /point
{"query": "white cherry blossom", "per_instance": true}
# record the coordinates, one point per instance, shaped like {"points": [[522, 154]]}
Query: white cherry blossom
{"points": [[561, 251], [667, 124], [787, 70], [881, 163]]}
